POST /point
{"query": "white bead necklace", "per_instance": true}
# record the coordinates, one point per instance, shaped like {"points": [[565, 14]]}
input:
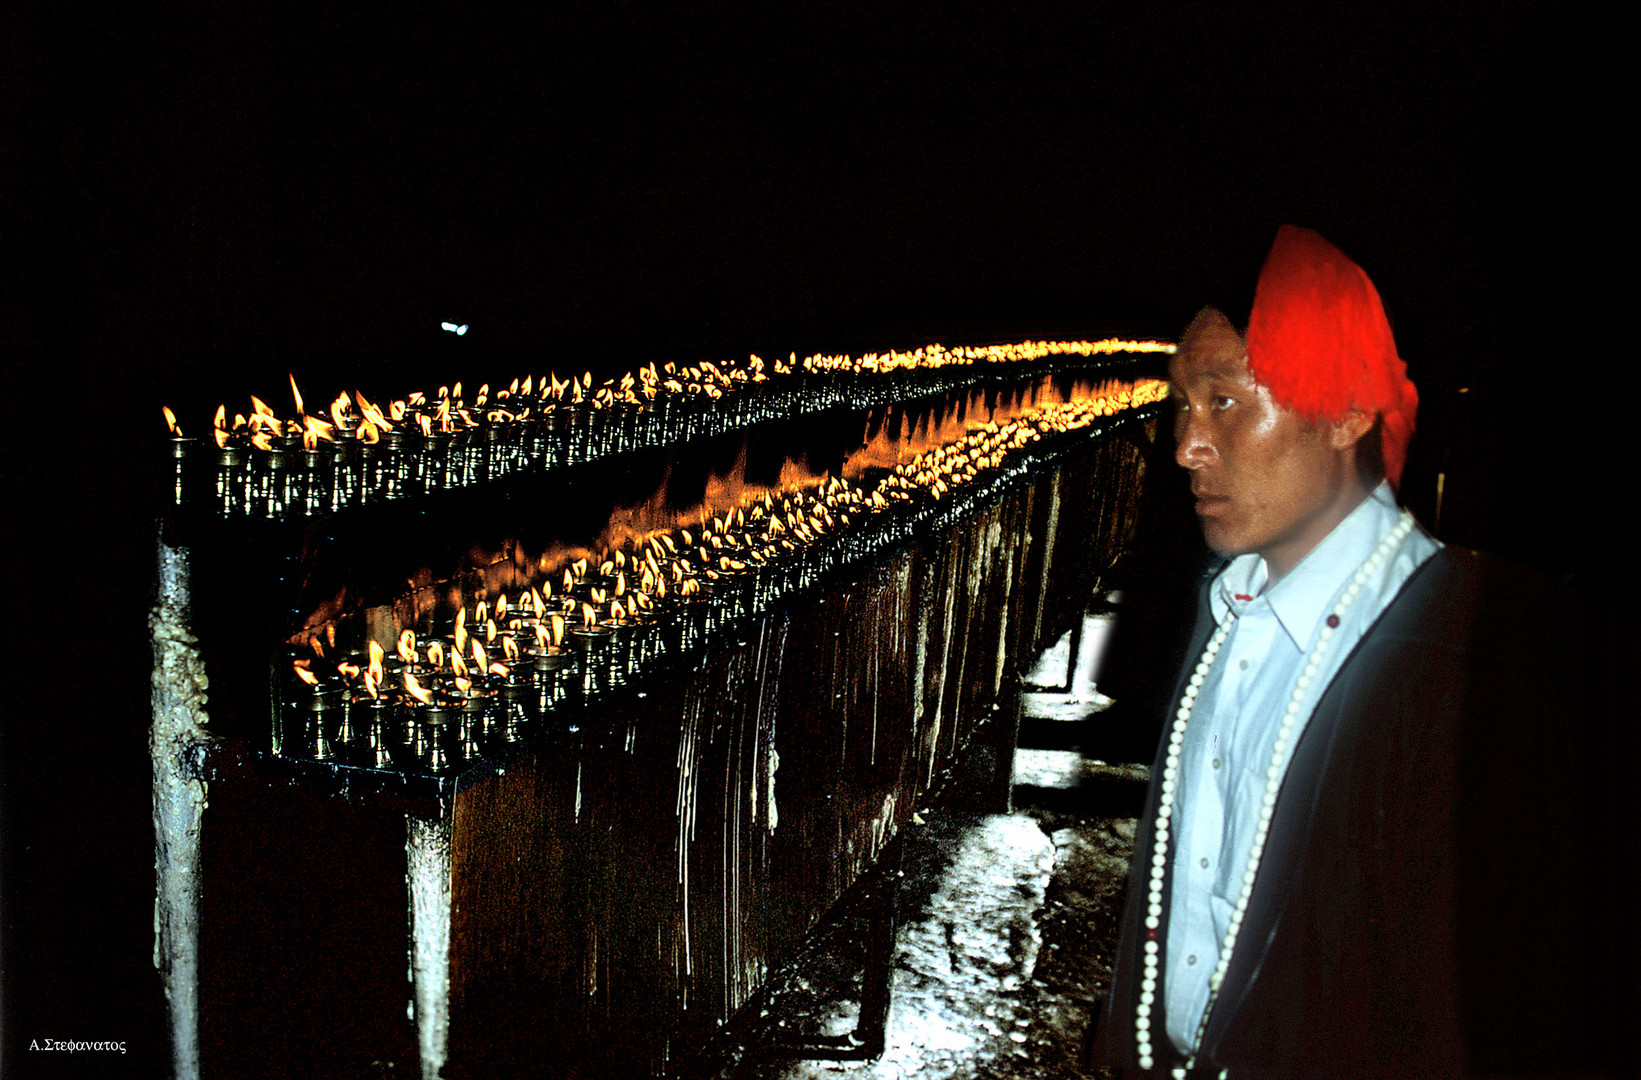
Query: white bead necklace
{"points": [[1150, 981]]}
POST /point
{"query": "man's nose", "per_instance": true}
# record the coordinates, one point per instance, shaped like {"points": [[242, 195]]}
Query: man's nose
{"points": [[1193, 442]]}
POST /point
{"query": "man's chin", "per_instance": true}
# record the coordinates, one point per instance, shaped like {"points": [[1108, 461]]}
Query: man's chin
{"points": [[1222, 540]]}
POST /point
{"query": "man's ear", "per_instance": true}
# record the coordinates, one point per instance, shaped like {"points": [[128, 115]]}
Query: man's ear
{"points": [[1348, 430]]}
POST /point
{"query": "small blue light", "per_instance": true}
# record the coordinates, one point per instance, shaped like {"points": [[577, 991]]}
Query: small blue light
{"points": [[453, 328]]}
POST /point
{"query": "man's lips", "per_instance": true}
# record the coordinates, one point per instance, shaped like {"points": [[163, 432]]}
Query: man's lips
{"points": [[1208, 502]]}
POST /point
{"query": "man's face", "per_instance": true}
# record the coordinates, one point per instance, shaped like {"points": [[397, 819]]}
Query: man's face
{"points": [[1264, 480]]}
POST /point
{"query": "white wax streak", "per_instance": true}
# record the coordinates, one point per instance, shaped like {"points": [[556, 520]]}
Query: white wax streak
{"points": [[946, 613], [1050, 534], [176, 744], [427, 862], [994, 540], [742, 694]]}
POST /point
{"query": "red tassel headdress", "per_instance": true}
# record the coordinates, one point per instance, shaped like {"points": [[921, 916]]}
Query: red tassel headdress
{"points": [[1318, 339]]}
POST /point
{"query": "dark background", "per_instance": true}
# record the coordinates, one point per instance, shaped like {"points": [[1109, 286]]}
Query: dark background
{"points": [[198, 201]]}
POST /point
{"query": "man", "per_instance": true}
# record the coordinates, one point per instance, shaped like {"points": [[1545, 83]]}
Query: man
{"points": [[1341, 871]]}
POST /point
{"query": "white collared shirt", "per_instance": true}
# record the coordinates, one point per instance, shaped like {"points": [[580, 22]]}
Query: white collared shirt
{"points": [[1232, 731]]}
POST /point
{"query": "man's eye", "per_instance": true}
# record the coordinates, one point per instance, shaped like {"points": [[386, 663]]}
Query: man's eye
{"points": [[1222, 403]]}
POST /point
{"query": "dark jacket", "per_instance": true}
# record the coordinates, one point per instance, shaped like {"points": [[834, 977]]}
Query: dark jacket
{"points": [[1442, 892]]}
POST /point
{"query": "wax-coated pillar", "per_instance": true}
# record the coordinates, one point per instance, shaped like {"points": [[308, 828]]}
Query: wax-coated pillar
{"points": [[427, 869], [177, 743]]}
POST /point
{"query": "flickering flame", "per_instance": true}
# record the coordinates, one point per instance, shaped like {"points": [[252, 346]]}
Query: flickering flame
{"points": [[304, 674], [435, 654], [558, 629], [296, 395], [315, 429], [171, 420], [372, 416], [510, 648], [407, 646], [480, 657], [374, 668], [416, 690]]}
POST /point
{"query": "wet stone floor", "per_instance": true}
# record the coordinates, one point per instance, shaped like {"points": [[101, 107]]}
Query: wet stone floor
{"points": [[1006, 926]]}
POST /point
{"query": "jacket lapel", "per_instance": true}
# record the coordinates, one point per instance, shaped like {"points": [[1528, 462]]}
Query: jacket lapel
{"points": [[1298, 802]]}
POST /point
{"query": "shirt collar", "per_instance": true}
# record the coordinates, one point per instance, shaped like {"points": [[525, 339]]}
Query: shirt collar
{"points": [[1301, 599]]}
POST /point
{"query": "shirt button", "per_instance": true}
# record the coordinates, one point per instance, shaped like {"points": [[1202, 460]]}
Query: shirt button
{"points": [[1205, 864], [1216, 763], [1190, 959], [1244, 665]]}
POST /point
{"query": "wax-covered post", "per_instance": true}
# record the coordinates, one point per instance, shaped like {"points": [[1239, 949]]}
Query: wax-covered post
{"points": [[178, 741]]}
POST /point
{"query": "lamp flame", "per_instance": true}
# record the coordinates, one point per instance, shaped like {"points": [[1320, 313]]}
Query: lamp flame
{"points": [[417, 690]]}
